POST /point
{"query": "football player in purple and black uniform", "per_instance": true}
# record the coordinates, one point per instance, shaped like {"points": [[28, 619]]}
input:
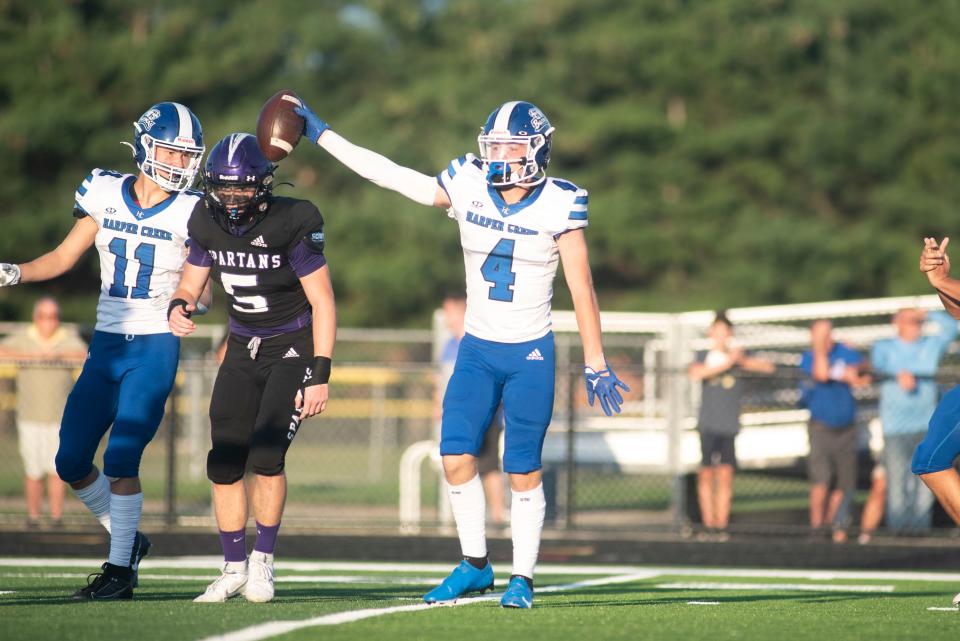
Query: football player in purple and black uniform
{"points": [[138, 224], [267, 253]]}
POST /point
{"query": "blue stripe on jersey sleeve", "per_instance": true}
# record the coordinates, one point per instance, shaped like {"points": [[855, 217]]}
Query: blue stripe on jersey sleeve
{"points": [[577, 214], [581, 200], [82, 190], [442, 181], [455, 165]]}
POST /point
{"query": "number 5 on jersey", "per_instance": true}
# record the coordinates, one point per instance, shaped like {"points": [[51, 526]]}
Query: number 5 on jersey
{"points": [[497, 269], [251, 304]]}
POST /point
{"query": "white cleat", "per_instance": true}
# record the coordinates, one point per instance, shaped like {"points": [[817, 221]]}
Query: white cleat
{"points": [[956, 601], [230, 583], [260, 584]]}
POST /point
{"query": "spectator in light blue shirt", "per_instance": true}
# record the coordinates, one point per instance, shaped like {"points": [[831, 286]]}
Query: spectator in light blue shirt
{"points": [[908, 396]]}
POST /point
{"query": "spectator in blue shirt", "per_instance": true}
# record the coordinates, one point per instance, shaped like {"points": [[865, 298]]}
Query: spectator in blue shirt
{"points": [[833, 368], [908, 396]]}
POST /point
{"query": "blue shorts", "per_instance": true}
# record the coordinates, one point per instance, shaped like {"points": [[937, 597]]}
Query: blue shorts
{"points": [[522, 376], [941, 446], [125, 383]]}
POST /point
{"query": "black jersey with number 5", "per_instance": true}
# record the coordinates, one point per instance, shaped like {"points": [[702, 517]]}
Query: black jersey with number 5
{"points": [[260, 270]]}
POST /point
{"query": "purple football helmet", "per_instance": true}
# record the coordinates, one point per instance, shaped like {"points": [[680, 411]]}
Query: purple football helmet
{"points": [[238, 182]]}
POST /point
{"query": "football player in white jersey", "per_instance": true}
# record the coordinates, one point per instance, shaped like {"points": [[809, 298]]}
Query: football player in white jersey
{"points": [[139, 226], [516, 224]]}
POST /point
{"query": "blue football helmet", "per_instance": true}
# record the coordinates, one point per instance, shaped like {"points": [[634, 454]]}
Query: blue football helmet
{"points": [[516, 133], [172, 127], [238, 182]]}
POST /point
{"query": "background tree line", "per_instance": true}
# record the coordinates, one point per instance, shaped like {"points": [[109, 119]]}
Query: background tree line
{"points": [[737, 152]]}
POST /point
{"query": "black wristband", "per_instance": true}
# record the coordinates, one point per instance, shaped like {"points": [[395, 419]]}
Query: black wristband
{"points": [[320, 372], [177, 302]]}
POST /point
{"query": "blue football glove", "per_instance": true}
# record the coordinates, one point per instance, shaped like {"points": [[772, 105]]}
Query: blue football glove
{"points": [[313, 125], [603, 385]]}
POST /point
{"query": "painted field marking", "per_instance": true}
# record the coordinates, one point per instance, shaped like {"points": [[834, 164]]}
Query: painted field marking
{"points": [[8, 591], [276, 628], [294, 578], [703, 603], [955, 609], [212, 562], [801, 587]]}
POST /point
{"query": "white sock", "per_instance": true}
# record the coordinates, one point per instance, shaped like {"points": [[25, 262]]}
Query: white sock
{"points": [[124, 518], [469, 511], [96, 497], [527, 510]]}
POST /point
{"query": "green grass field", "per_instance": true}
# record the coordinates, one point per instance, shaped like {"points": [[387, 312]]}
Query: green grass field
{"points": [[357, 601]]}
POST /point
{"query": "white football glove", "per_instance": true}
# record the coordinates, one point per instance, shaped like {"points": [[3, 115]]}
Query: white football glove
{"points": [[9, 274]]}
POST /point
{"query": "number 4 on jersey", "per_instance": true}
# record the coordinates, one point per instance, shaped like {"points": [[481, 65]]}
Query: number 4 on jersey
{"points": [[498, 269]]}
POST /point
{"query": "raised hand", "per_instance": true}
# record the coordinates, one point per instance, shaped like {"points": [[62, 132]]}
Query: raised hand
{"points": [[603, 385], [934, 261], [9, 274], [313, 126]]}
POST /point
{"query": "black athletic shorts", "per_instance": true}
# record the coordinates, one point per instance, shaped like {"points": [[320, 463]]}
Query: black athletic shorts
{"points": [[252, 410], [717, 449]]}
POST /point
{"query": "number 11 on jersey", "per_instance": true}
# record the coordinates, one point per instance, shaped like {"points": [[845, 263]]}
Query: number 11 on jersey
{"points": [[144, 254], [498, 269]]}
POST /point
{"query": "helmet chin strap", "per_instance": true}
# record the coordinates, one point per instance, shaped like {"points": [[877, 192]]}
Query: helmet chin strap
{"points": [[133, 150]]}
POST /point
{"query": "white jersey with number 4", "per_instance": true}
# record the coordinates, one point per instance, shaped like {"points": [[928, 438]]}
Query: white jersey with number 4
{"points": [[510, 252], [141, 251]]}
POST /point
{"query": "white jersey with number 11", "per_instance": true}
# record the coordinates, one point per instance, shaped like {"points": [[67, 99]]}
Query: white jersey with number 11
{"points": [[141, 251]]}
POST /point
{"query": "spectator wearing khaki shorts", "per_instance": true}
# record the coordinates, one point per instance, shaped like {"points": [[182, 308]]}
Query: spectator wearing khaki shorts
{"points": [[43, 382]]}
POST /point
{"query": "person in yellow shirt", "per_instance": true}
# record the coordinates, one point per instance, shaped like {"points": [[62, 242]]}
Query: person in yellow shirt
{"points": [[44, 379]]}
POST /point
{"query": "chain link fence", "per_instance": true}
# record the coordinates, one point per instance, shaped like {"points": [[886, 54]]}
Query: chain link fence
{"points": [[370, 461]]}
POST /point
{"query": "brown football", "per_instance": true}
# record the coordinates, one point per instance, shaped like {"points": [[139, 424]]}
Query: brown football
{"points": [[278, 127]]}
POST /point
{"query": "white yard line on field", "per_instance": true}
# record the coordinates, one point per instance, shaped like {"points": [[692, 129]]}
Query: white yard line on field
{"points": [[802, 587], [276, 628], [206, 578], [214, 562], [209, 562]]}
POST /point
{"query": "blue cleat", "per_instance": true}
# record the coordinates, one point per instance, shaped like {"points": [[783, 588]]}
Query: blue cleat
{"points": [[518, 595], [463, 580]]}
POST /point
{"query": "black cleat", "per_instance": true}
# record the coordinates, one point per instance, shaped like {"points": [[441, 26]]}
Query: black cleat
{"points": [[113, 584], [141, 548]]}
